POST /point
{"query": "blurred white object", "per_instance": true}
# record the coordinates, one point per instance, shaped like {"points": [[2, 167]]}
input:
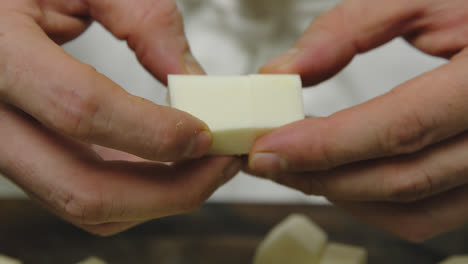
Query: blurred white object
{"points": [[336, 253], [8, 260], [237, 37], [92, 260], [458, 259], [296, 240]]}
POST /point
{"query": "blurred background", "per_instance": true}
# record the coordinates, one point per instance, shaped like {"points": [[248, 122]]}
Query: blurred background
{"points": [[237, 37]]}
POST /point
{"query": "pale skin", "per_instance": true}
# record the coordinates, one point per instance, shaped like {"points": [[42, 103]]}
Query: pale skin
{"points": [[397, 161], [78, 143]]}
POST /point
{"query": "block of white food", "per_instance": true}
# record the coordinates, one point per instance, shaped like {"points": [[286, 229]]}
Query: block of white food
{"points": [[456, 259], [8, 260], [296, 240], [336, 253], [238, 109], [92, 260]]}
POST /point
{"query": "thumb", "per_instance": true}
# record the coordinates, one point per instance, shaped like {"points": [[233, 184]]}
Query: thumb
{"points": [[334, 38]]}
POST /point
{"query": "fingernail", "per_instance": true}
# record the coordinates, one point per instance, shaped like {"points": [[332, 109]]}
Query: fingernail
{"points": [[191, 65], [283, 60], [268, 163], [199, 145], [231, 171]]}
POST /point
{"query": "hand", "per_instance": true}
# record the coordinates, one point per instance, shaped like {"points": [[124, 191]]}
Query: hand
{"points": [[399, 160], [52, 108]]}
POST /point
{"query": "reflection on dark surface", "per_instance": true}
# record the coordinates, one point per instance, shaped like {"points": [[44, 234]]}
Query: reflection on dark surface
{"points": [[217, 233]]}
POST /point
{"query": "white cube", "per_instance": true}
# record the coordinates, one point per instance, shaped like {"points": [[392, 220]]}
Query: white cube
{"points": [[336, 253], [8, 260], [92, 260], [457, 259], [296, 240], [238, 109]]}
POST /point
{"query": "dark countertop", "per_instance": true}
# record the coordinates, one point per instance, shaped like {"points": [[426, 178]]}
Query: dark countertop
{"points": [[217, 233]]}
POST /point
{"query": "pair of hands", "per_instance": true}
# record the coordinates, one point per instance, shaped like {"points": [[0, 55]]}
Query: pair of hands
{"points": [[396, 161]]}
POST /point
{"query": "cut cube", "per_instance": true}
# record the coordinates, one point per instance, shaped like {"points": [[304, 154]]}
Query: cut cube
{"points": [[296, 240], [92, 260], [457, 259], [336, 253], [238, 109], [8, 260]]}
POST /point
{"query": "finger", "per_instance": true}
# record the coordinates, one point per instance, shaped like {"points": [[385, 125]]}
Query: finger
{"points": [[104, 229], [61, 20], [86, 190], [334, 38], [442, 29], [417, 221], [401, 179], [109, 229], [421, 112], [112, 154], [75, 100], [154, 29]]}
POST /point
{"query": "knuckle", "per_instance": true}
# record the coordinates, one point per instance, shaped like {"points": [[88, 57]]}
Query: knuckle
{"points": [[327, 161], [348, 18], [76, 113], [85, 207], [10, 74], [408, 186], [143, 50], [169, 144], [163, 16], [406, 135], [167, 14], [325, 152]]}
